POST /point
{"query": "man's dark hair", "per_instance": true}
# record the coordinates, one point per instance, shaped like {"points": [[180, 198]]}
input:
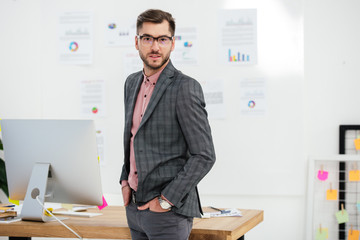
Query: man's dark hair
{"points": [[155, 16]]}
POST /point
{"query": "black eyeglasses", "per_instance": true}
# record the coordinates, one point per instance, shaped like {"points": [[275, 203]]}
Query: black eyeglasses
{"points": [[148, 40]]}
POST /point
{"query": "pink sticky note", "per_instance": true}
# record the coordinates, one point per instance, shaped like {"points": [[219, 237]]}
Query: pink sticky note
{"points": [[322, 176], [104, 204]]}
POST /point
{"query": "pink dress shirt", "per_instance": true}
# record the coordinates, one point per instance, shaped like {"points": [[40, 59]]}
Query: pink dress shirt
{"points": [[142, 101]]}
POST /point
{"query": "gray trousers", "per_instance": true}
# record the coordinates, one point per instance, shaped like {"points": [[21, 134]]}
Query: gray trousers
{"points": [[148, 225]]}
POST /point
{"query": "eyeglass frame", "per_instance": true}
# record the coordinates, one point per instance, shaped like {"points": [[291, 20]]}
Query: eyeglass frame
{"points": [[155, 38]]}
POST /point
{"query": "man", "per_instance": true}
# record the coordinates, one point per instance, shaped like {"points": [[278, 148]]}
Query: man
{"points": [[168, 146]]}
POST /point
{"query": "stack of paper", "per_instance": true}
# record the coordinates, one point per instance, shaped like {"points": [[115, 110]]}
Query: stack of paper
{"points": [[7, 213]]}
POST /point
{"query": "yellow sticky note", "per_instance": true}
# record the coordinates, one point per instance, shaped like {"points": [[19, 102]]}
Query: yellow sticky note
{"points": [[357, 143], [354, 175], [353, 235], [16, 202], [67, 206], [331, 194]]}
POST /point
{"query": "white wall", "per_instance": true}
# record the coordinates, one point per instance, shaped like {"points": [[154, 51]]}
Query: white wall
{"points": [[34, 85], [331, 72]]}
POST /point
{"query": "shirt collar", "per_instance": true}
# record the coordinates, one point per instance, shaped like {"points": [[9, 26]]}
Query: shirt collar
{"points": [[153, 78]]}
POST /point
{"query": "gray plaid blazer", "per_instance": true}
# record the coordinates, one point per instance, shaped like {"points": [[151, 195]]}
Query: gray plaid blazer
{"points": [[173, 145]]}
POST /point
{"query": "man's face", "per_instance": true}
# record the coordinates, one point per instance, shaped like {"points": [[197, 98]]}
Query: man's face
{"points": [[154, 55]]}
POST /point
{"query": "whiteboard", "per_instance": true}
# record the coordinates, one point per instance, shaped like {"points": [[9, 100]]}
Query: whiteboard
{"points": [[256, 154]]}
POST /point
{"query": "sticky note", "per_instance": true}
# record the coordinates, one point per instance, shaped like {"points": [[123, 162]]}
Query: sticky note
{"points": [[104, 204], [358, 206], [322, 175], [321, 235], [342, 216], [354, 175], [356, 142], [331, 194], [67, 206], [16, 202], [353, 234]]}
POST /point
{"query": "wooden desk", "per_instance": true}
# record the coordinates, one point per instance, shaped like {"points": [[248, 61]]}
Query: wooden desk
{"points": [[113, 225]]}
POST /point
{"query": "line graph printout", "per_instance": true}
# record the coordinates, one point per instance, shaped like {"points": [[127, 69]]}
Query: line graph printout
{"points": [[238, 36]]}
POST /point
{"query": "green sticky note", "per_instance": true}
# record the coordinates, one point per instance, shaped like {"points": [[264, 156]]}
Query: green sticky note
{"points": [[342, 216], [322, 235]]}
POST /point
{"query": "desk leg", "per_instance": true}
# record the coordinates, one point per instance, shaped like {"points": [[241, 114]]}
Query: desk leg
{"points": [[19, 238]]}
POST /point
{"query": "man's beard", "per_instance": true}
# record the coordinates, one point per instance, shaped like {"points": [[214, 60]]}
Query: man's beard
{"points": [[149, 65]]}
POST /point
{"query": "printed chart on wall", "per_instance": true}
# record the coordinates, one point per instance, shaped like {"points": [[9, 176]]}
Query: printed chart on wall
{"points": [[334, 198], [75, 38], [100, 140], [120, 33], [252, 96], [131, 62], [214, 98], [186, 46], [92, 100], [238, 36]]}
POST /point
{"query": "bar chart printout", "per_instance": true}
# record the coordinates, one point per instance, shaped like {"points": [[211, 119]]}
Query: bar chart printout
{"points": [[238, 36], [238, 57]]}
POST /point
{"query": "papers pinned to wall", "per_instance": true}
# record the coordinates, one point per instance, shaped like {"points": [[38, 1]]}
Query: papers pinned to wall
{"points": [[132, 62], [186, 46], [75, 31], [92, 98], [120, 32], [238, 36], [253, 96], [214, 98]]}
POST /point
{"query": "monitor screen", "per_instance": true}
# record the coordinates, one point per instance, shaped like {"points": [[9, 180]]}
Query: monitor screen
{"points": [[67, 146]]}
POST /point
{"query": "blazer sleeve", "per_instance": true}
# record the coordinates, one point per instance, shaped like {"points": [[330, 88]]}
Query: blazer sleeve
{"points": [[192, 117]]}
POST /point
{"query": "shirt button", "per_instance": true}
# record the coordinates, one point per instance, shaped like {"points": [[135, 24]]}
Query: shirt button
{"points": [[136, 172]]}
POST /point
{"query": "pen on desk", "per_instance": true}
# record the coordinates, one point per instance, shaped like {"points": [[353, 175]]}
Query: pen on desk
{"points": [[221, 211], [216, 209]]}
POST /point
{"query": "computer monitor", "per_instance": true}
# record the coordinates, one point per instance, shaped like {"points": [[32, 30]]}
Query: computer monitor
{"points": [[57, 155]]}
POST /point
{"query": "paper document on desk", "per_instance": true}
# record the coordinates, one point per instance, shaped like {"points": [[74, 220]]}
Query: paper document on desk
{"points": [[77, 214], [233, 212], [10, 219]]}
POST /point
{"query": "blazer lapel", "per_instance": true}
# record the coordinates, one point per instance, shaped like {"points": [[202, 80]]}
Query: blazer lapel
{"points": [[163, 82], [134, 90]]}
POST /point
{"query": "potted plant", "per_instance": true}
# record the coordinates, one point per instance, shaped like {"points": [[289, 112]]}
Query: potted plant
{"points": [[3, 179]]}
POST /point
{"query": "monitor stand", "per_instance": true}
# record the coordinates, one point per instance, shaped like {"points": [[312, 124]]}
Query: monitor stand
{"points": [[32, 210]]}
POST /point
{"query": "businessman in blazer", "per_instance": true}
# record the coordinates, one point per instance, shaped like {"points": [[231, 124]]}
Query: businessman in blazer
{"points": [[168, 145]]}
